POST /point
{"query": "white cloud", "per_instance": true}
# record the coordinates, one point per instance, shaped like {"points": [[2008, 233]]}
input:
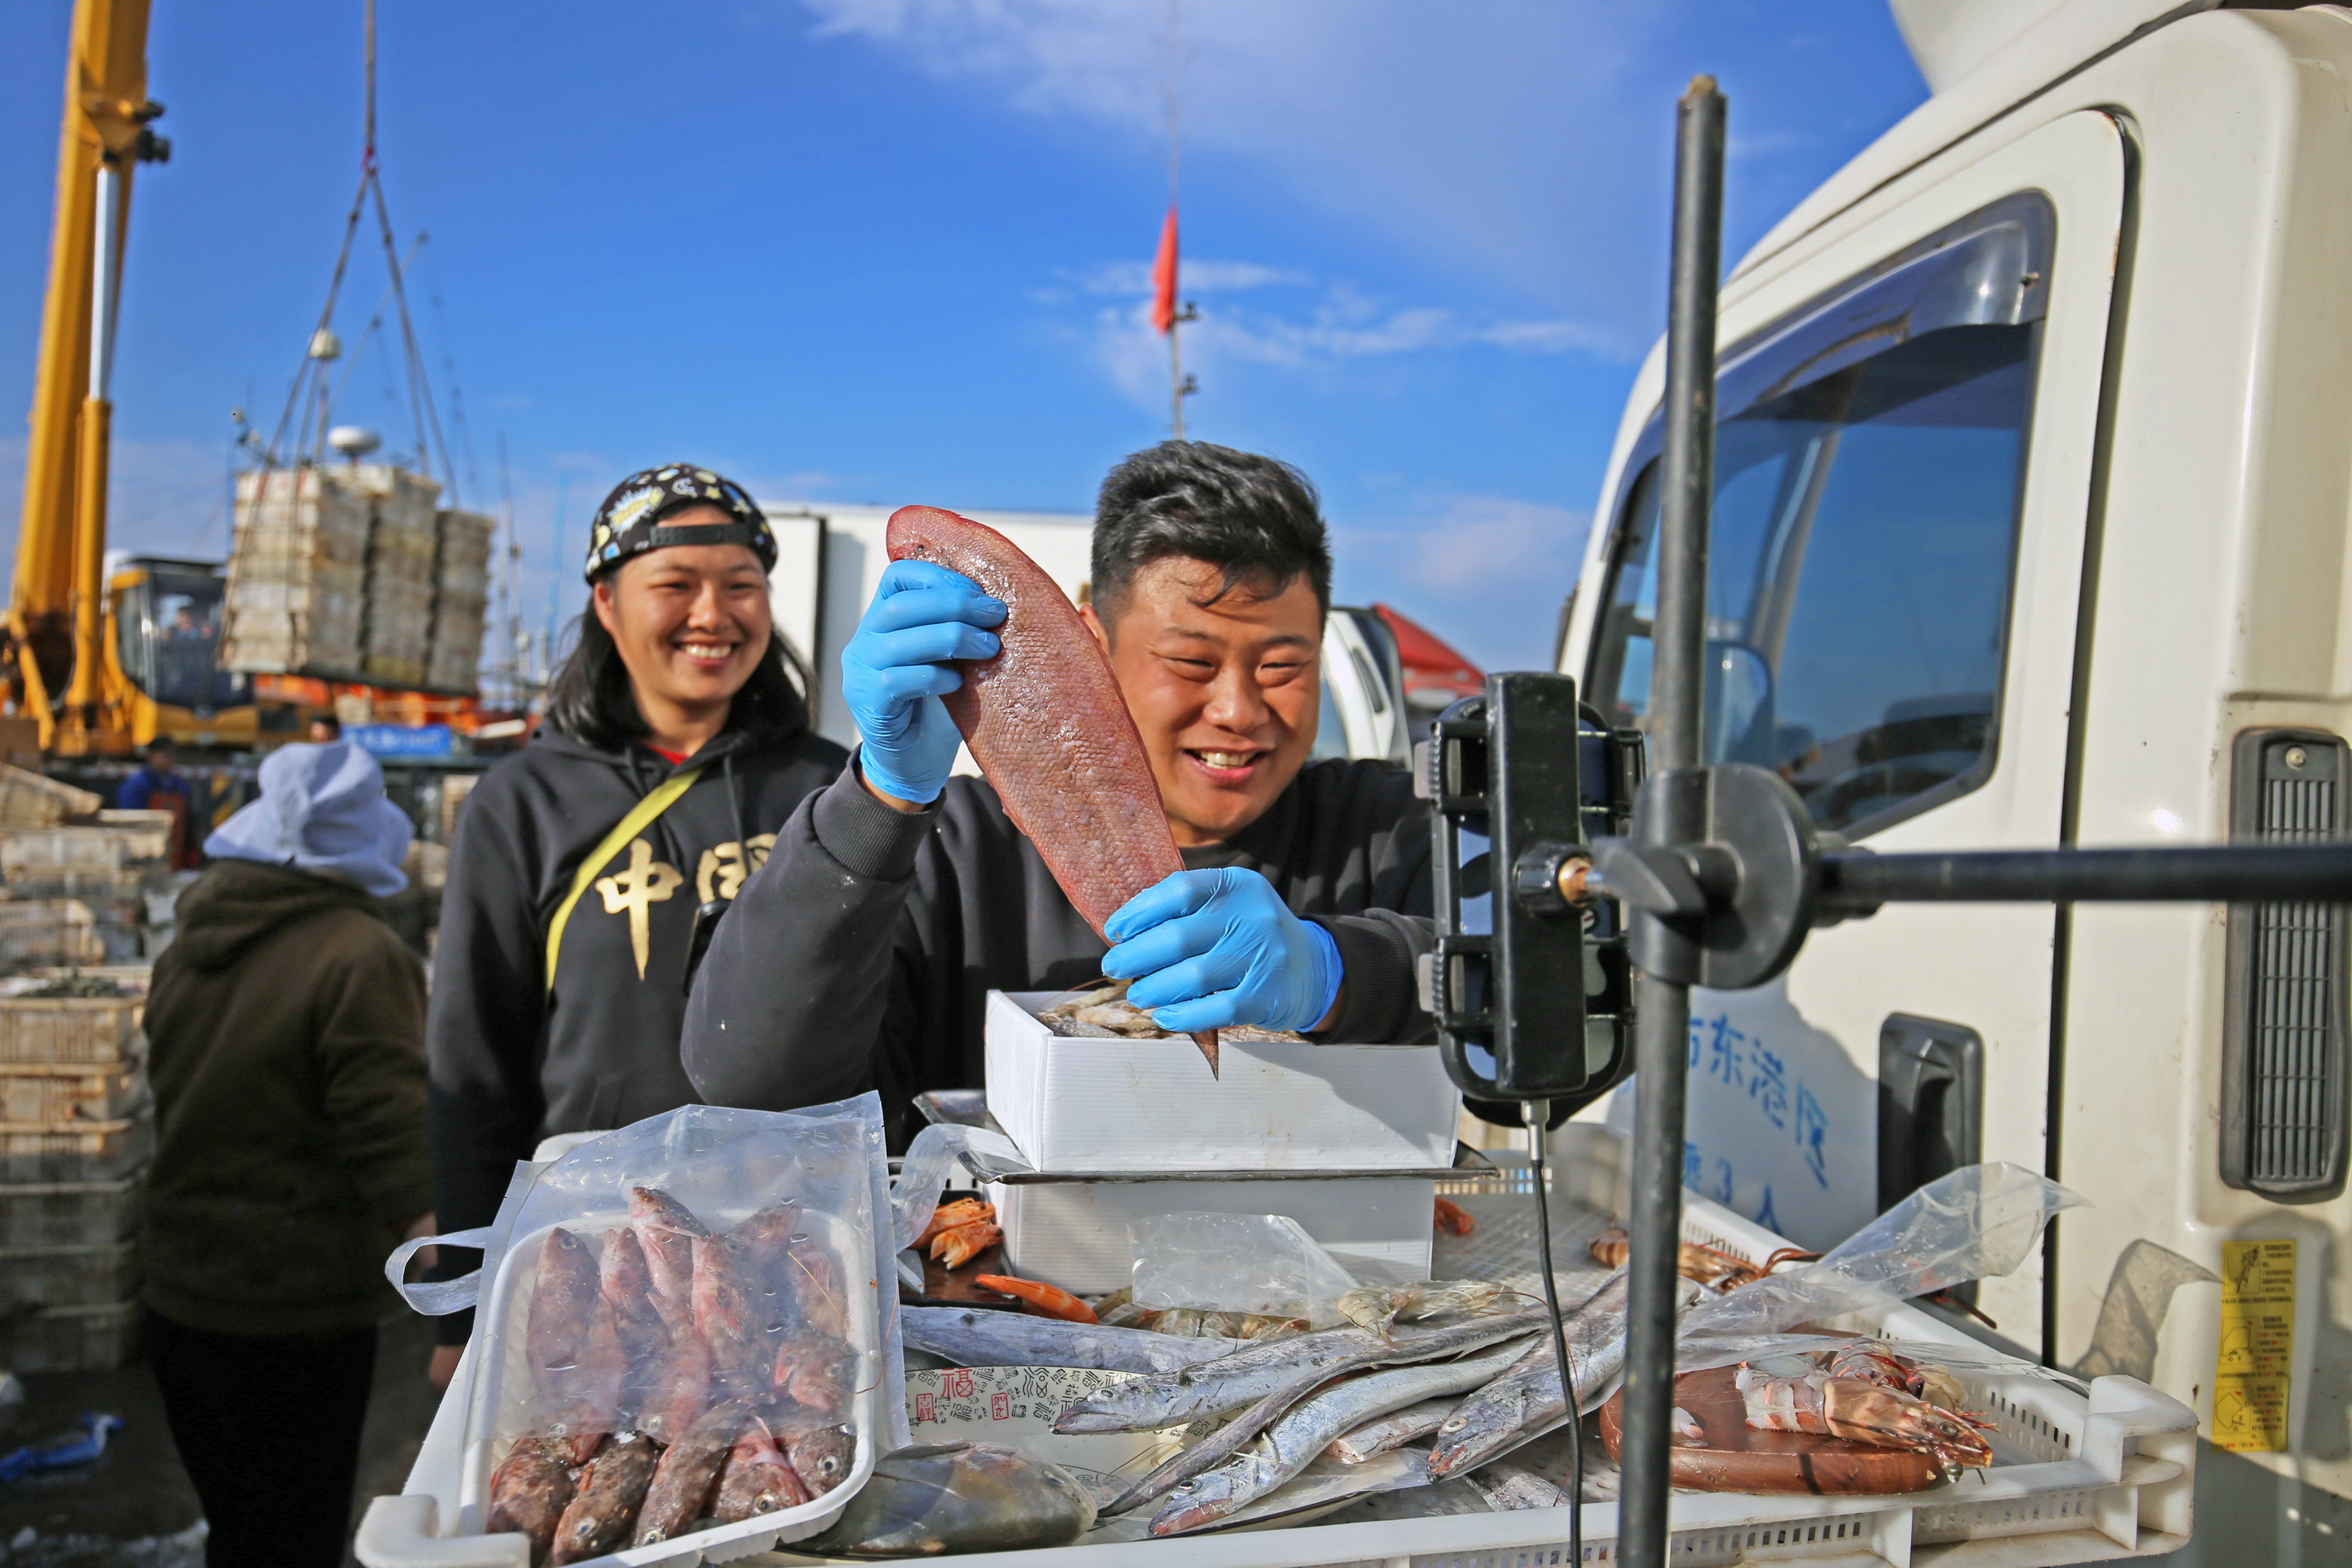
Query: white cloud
{"points": [[1467, 132], [1134, 277], [1342, 325], [1485, 572]]}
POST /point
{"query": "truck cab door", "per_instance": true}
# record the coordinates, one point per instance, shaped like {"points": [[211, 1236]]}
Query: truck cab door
{"points": [[1909, 405]]}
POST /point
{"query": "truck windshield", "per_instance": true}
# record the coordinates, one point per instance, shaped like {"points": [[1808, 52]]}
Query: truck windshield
{"points": [[170, 642], [1858, 575]]}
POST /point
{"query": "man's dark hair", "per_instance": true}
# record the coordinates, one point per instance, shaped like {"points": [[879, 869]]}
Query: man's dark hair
{"points": [[161, 746], [590, 700], [1255, 518], [329, 723]]}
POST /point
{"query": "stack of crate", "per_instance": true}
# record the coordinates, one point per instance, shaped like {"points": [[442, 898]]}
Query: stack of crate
{"points": [[41, 921], [75, 1128], [460, 597], [109, 867], [401, 551], [297, 574]]}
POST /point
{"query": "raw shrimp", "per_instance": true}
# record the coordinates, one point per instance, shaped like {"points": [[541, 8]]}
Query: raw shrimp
{"points": [[1050, 1300], [1860, 1411], [948, 1215], [958, 1247]]}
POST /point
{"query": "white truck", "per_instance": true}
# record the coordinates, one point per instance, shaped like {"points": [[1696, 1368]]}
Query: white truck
{"points": [[2032, 480], [830, 558]]}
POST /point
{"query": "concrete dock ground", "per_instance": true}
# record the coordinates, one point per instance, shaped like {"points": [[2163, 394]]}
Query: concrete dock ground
{"points": [[134, 1506]]}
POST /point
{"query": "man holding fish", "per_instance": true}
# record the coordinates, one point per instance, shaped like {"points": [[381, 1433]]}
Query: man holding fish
{"points": [[1293, 895]]}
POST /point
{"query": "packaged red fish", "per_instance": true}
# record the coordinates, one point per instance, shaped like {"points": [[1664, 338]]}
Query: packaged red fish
{"points": [[681, 1340]]}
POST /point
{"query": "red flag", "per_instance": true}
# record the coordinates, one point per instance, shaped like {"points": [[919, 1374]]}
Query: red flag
{"points": [[1163, 276]]}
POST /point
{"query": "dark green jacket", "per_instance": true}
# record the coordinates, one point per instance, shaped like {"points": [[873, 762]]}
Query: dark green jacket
{"points": [[285, 1032]]}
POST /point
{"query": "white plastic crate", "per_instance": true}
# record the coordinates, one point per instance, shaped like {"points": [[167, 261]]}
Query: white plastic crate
{"points": [[2082, 1479], [1150, 1105]]}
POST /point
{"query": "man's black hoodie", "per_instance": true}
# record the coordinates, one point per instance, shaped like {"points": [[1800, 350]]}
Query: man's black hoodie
{"points": [[513, 1062]]}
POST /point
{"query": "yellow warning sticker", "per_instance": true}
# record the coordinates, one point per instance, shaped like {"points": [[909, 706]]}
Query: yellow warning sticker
{"points": [[2256, 1358]]}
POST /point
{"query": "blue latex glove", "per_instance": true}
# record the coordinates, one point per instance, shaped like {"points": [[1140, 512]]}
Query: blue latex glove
{"points": [[893, 673], [1208, 948]]}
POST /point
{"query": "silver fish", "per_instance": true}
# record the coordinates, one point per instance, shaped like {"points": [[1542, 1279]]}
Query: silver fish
{"points": [[1376, 1307], [940, 1498], [1227, 1439], [1393, 1430], [1249, 1376], [971, 1338], [1527, 1398], [1287, 1447]]}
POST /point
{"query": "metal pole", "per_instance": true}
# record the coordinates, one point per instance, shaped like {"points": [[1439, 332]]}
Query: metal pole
{"points": [[2247, 874], [1678, 634]]}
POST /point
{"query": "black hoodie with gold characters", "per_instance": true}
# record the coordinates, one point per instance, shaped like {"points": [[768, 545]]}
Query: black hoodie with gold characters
{"points": [[517, 1054]]}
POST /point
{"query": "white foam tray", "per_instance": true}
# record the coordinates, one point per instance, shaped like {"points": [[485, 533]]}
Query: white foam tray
{"points": [[1150, 1105], [436, 1522]]}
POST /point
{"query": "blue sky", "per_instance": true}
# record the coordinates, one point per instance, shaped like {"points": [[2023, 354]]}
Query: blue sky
{"points": [[894, 250]]}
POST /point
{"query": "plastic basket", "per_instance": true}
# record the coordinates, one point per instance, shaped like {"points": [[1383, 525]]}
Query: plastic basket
{"points": [[27, 799], [95, 1031], [52, 931], [35, 852], [54, 1094], [71, 1339], [95, 1151], [69, 1213], [94, 1275]]}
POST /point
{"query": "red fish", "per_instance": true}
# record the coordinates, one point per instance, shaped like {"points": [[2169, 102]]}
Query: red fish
{"points": [[820, 1456], [603, 1510], [529, 1493], [628, 1286], [576, 1362], [814, 1373], [682, 1482], [679, 1386], [766, 1234], [727, 1309], [1049, 724], [665, 1230], [756, 1478]]}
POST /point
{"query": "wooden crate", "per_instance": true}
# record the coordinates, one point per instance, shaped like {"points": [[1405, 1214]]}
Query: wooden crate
{"points": [[49, 931], [81, 1031], [69, 1213], [89, 1151], [29, 800], [65, 1094]]}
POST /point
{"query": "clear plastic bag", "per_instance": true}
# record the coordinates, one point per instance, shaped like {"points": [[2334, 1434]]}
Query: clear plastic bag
{"points": [[704, 1267], [933, 1160], [1977, 1223], [1259, 1263]]}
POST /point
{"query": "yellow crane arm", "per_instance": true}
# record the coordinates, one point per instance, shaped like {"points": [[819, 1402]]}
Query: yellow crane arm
{"points": [[56, 600]]}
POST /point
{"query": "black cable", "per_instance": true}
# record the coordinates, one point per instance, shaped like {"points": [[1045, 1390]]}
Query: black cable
{"points": [[1537, 1112]]}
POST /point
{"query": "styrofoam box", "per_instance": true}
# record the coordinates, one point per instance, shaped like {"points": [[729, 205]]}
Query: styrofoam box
{"points": [[1074, 1234], [1150, 1105]]}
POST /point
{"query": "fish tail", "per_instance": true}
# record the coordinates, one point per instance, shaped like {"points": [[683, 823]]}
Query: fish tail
{"points": [[1207, 1040]]}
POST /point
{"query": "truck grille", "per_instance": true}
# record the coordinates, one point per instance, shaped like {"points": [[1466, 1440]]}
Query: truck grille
{"points": [[2286, 1060]]}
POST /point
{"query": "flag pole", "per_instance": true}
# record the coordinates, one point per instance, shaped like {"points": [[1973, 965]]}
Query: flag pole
{"points": [[1176, 387]]}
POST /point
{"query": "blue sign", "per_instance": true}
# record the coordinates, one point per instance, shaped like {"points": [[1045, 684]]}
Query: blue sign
{"points": [[402, 739]]}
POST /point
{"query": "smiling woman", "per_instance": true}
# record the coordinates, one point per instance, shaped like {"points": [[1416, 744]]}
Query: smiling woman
{"points": [[590, 870]]}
